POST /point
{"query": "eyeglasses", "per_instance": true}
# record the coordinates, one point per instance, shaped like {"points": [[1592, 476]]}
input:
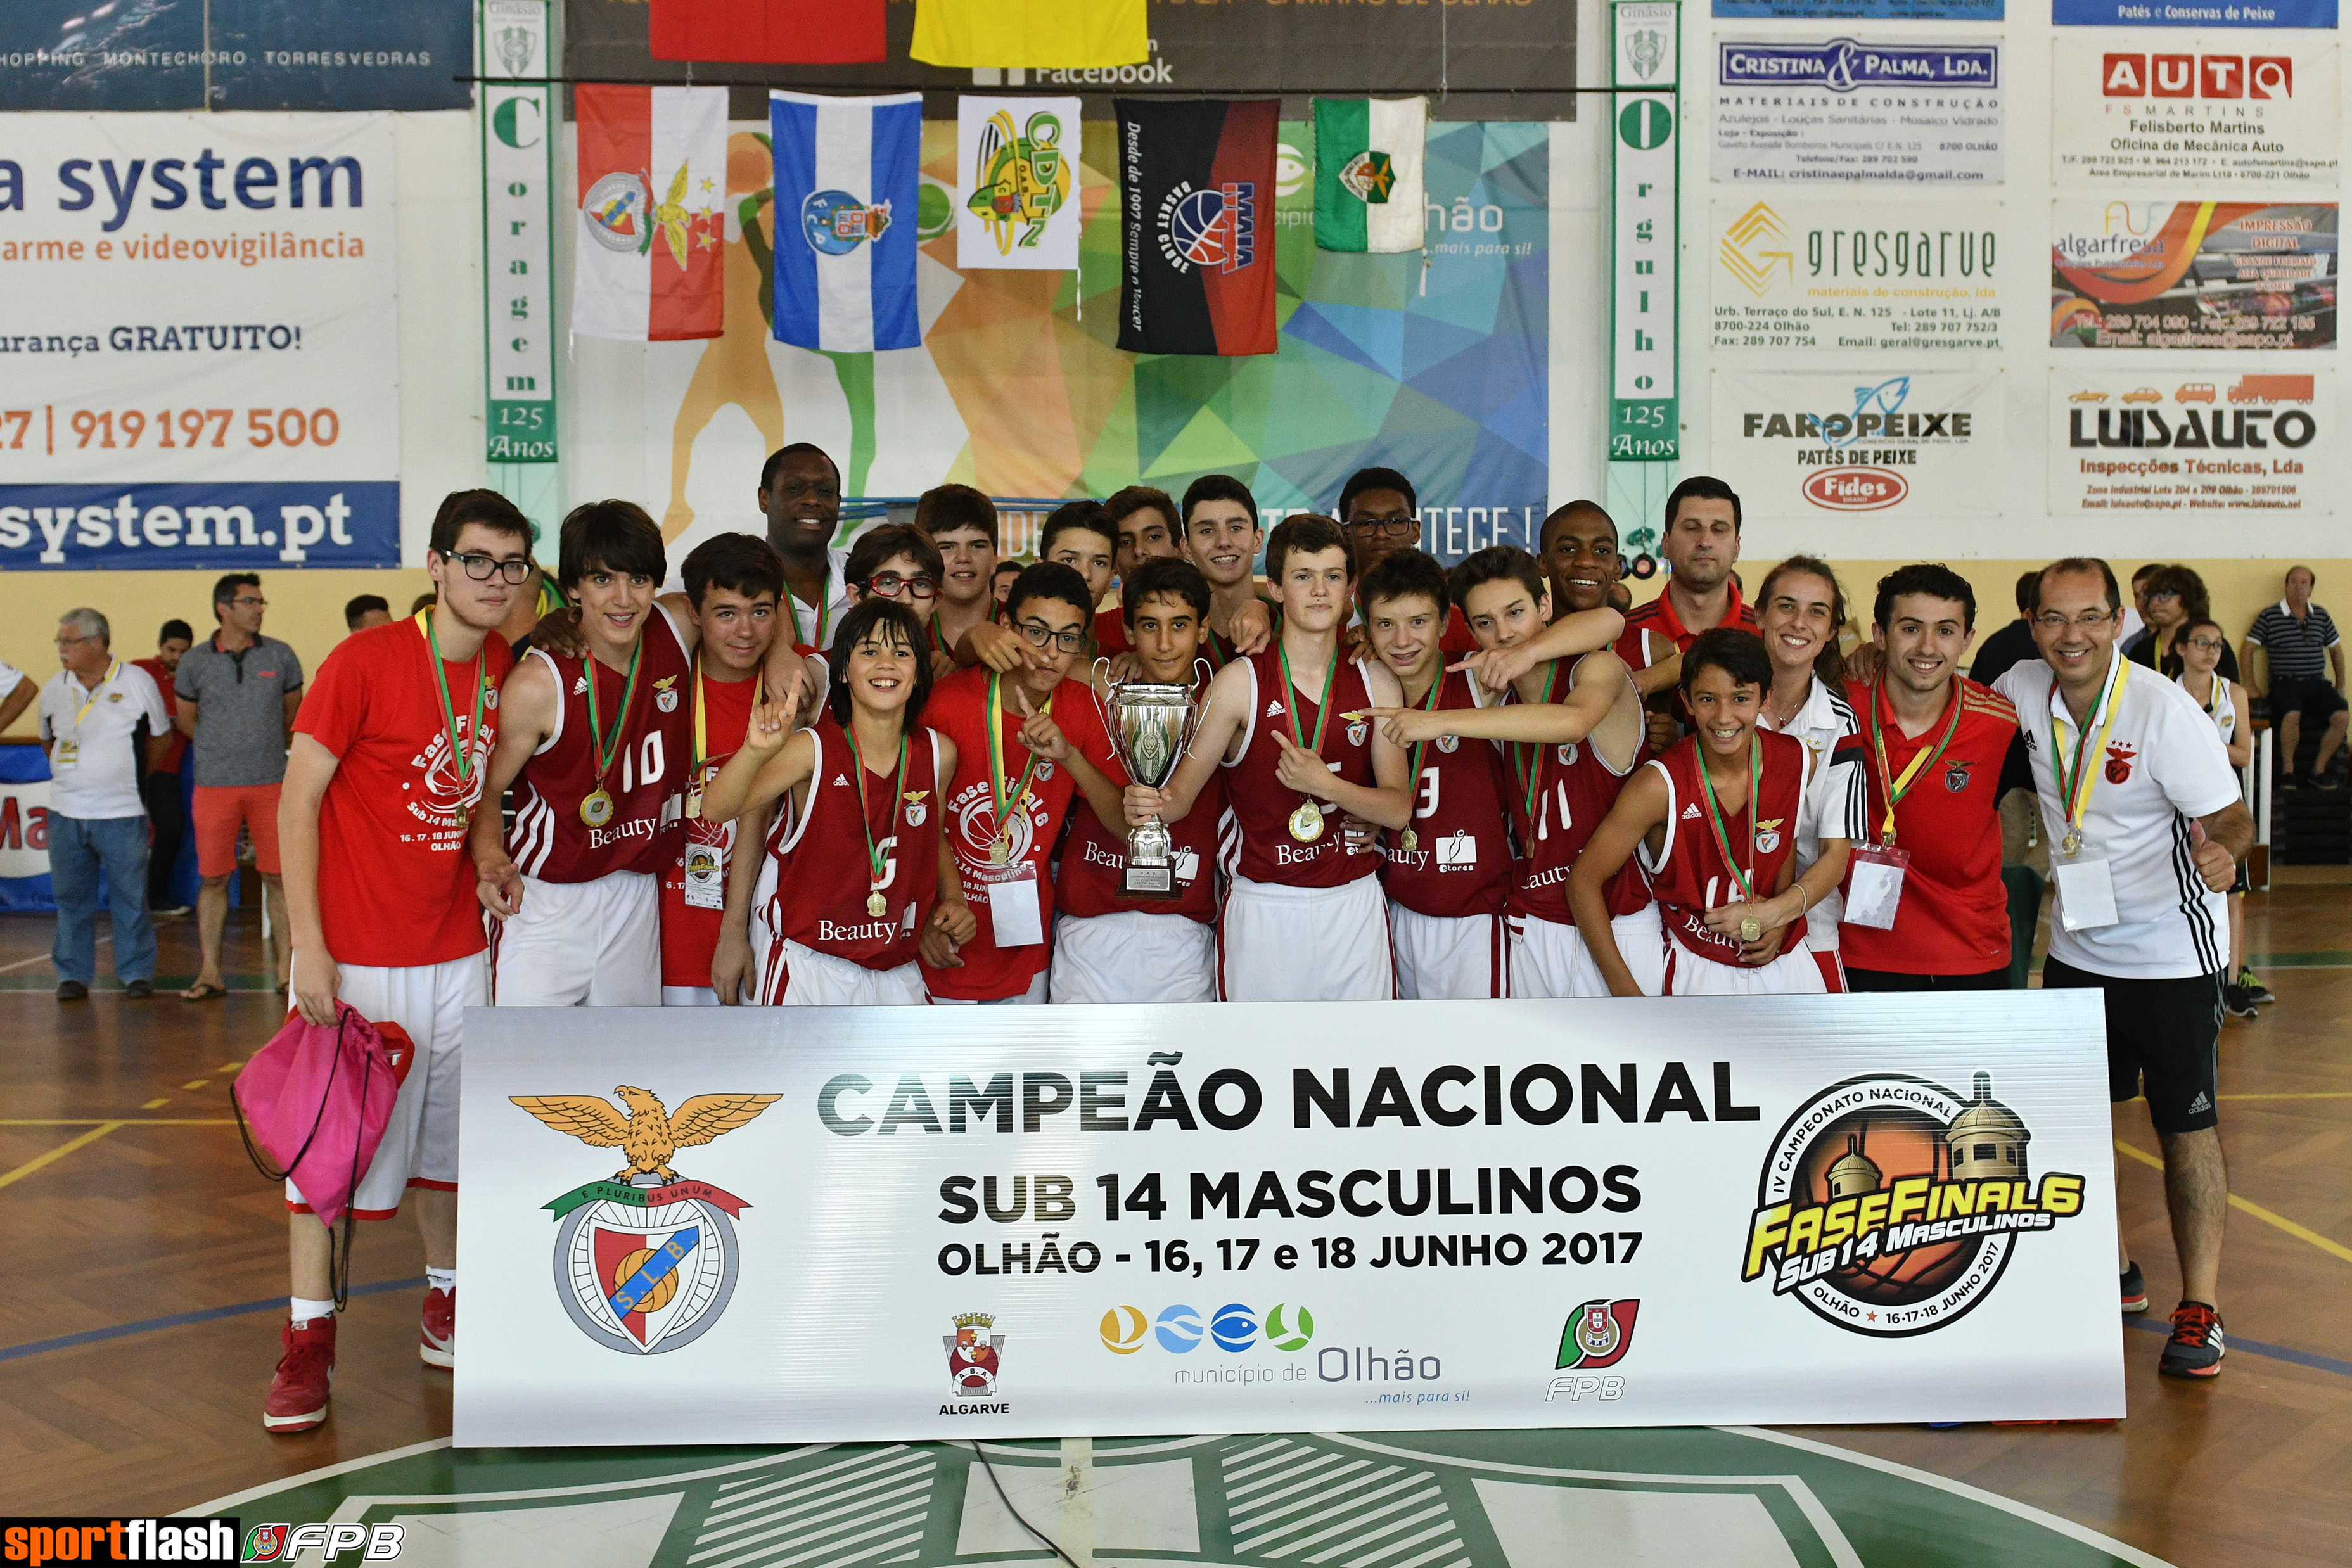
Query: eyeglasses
{"points": [[2053, 622], [69, 642], [2210, 644], [248, 602], [482, 568], [890, 584], [1393, 527], [1040, 634]]}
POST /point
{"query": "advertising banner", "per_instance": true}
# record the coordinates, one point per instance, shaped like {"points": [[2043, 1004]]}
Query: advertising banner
{"points": [[1813, 444], [2193, 274], [846, 1223], [25, 832], [1866, 10], [198, 334], [519, 122], [1891, 277], [1846, 109], [235, 54], [2220, 106], [1645, 274], [2198, 442], [2263, 14]]}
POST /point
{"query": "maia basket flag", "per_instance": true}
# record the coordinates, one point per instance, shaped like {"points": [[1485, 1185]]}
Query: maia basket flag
{"points": [[847, 183], [1368, 159], [1197, 226], [653, 185]]}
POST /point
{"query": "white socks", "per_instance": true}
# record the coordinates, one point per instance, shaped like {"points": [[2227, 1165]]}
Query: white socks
{"points": [[305, 1309], [441, 1280]]}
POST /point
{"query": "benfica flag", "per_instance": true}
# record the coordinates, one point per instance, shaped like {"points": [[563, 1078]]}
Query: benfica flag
{"points": [[653, 186], [777, 32], [1197, 226]]}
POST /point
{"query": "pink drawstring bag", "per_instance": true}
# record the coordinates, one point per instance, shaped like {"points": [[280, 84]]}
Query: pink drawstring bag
{"points": [[313, 1103]]}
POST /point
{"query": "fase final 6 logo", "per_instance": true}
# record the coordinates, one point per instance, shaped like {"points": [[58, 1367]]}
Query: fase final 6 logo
{"points": [[1890, 1205]]}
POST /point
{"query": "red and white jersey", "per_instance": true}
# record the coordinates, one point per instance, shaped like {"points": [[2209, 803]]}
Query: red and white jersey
{"points": [[1573, 789], [1093, 862], [689, 928], [822, 876], [646, 781], [1460, 860], [1689, 876], [1262, 803]]}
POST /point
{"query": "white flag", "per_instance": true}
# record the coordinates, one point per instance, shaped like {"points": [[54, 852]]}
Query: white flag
{"points": [[1017, 183], [653, 191]]}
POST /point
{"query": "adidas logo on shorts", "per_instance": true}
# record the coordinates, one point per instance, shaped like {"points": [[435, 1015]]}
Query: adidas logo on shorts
{"points": [[2200, 1104]]}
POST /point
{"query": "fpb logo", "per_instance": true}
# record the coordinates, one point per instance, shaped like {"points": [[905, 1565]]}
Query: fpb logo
{"points": [[285, 1542]]}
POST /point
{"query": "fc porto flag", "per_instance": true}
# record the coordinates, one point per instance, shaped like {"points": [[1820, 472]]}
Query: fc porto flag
{"points": [[1197, 225], [1367, 157], [652, 188], [846, 188]]}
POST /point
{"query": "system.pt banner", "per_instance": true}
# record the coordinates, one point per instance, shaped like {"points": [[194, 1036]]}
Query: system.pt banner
{"points": [[841, 1224], [200, 310]]}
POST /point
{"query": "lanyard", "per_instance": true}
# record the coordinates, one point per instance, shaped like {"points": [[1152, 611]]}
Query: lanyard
{"points": [[1895, 789], [824, 610], [1525, 755], [607, 748], [1322, 708], [1005, 801], [458, 748], [112, 670], [1747, 879], [1428, 704], [702, 725], [2076, 784], [875, 857]]}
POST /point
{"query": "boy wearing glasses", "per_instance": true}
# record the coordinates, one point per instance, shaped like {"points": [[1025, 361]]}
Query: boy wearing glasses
{"points": [[1380, 512], [237, 692], [1026, 739], [905, 565]]}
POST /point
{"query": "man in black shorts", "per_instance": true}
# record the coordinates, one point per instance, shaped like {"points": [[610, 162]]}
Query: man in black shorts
{"points": [[2302, 672]]}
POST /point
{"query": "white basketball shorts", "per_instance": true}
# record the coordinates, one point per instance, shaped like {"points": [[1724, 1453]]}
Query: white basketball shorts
{"points": [[1130, 957], [581, 944], [1449, 958], [1282, 944], [802, 976]]}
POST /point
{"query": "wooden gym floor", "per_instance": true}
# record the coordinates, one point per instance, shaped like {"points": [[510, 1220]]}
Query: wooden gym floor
{"points": [[151, 1269]]}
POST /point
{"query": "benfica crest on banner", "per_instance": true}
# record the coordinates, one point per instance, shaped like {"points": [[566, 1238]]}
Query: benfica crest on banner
{"points": [[653, 187], [1197, 226]]}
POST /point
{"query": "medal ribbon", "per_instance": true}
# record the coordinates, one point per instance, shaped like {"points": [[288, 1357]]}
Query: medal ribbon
{"points": [[459, 746], [1322, 708], [1428, 704], [2076, 784], [702, 725], [1003, 801], [112, 670], [608, 749], [1895, 789], [1527, 755], [1746, 879], [875, 857]]}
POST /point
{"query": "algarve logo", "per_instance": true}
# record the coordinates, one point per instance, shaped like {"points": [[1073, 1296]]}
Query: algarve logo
{"points": [[975, 1356], [1020, 182], [646, 1261], [1214, 228], [836, 223], [1889, 1205]]}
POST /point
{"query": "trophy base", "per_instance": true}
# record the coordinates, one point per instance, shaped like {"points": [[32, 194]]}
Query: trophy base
{"points": [[1149, 881]]}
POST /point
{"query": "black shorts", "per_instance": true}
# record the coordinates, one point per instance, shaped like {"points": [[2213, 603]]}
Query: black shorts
{"points": [[2163, 1036], [2317, 701], [1889, 981]]}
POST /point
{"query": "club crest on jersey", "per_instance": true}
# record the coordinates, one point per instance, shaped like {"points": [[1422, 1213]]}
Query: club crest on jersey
{"points": [[915, 809], [1955, 776], [665, 694], [1358, 731], [2119, 763], [1568, 759], [1767, 835], [1446, 743], [491, 698], [1045, 770]]}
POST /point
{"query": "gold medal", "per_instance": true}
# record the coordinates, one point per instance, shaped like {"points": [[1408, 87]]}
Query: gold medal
{"points": [[1887, 838], [1751, 929], [875, 904], [1307, 823], [2072, 843], [596, 808], [1408, 840]]}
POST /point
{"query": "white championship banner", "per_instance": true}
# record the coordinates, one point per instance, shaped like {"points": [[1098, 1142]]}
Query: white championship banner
{"points": [[763, 1224]]}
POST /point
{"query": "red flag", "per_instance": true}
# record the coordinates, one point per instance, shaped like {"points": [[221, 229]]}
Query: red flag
{"points": [[773, 32]]}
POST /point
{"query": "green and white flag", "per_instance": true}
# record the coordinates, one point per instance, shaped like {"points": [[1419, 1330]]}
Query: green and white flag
{"points": [[1368, 157]]}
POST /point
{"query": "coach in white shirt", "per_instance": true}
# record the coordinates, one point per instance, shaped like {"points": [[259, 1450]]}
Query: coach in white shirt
{"points": [[2141, 810], [92, 715]]}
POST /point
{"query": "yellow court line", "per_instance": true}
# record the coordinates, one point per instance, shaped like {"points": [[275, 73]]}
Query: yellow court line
{"points": [[2300, 1233], [60, 1151]]}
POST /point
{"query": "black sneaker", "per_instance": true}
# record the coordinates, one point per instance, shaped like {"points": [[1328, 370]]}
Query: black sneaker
{"points": [[2195, 1348], [72, 991], [138, 990], [2237, 1004], [2134, 1289], [2252, 985]]}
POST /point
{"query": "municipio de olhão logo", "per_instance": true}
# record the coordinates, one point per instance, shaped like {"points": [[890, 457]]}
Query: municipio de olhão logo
{"points": [[1890, 1205]]}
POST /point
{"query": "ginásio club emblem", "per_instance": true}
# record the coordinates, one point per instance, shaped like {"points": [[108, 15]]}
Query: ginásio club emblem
{"points": [[645, 1259]]}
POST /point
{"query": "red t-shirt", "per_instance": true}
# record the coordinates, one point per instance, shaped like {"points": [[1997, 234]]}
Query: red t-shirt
{"points": [[1658, 615], [689, 931], [958, 710], [163, 682], [1953, 918], [396, 884], [1110, 632]]}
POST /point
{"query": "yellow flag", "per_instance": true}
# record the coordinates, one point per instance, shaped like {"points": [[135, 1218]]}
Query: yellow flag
{"points": [[1049, 35]]}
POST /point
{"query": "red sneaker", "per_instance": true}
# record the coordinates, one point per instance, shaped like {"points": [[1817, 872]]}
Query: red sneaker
{"points": [[298, 1395], [436, 1331]]}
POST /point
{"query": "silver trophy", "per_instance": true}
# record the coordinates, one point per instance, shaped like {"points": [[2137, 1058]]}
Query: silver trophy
{"points": [[1149, 726]]}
